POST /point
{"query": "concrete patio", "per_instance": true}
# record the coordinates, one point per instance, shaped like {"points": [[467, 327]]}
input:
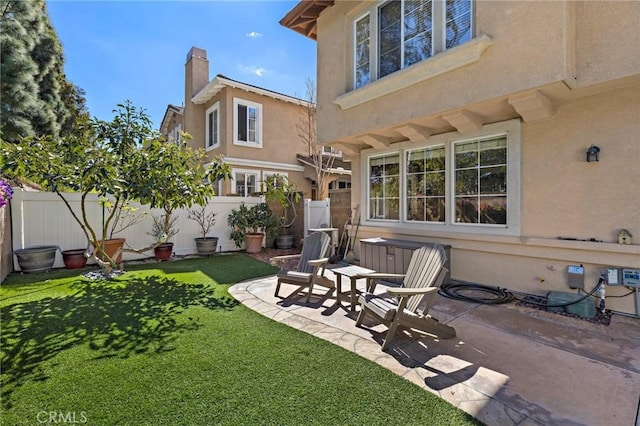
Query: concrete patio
{"points": [[508, 365]]}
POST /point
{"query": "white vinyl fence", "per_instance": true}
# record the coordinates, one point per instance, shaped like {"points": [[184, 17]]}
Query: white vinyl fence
{"points": [[42, 218], [316, 214]]}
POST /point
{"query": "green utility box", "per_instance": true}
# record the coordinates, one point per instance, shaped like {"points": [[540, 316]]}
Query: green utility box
{"points": [[585, 308]]}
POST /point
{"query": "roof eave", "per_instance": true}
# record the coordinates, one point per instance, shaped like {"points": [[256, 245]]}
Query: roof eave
{"points": [[303, 18]]}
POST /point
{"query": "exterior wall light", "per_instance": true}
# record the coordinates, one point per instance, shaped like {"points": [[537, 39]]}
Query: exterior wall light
{"points": [[592, 153]]}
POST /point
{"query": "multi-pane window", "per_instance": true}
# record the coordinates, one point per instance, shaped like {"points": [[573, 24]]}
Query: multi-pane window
{"points": [[362, 52], [481, 181], [384, 187], [425, 187], [246, 183], [400, 33], [212, 126], [174, 135], [247, 123], [452, 183], [458, 22]]}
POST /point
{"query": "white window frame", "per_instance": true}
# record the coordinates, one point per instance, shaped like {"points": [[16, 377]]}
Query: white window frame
{"points": [[439, 37], [209, 145], [174, 134], [511, 129], [255, 173], [333, 152], [400, 186], [258, 143], [266, 174]]}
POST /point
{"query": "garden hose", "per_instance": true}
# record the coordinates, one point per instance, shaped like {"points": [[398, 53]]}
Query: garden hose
{"points": [[496, 295]]}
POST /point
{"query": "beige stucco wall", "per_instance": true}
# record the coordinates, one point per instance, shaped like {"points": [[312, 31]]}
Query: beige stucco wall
{"points": [[583, 56], [533, 44], [280, 141]]}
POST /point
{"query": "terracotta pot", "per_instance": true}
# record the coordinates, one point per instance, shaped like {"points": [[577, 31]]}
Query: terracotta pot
{"points": [[254, 242], [74, 258], [111, 246], [163, 251], [37, 258], [207, 246]]}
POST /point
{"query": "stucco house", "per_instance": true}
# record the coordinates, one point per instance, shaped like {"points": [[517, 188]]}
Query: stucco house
{"points": [[254, 128], [470, 123]]}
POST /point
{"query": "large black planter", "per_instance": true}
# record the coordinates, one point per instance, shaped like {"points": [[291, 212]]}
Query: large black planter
{"points": [[207, 246], [284, 241], [36, 258]]}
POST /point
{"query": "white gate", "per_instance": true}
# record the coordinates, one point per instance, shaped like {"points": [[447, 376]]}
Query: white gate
{"points": [[317, 214]]}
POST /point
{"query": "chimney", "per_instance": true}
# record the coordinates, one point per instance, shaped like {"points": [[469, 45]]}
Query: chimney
{"points": [[196, 72], [196, 77]]}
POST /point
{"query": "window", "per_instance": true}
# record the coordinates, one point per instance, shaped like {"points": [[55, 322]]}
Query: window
{"points": [[480, 174], [212, 126], [266, 175], [400, 33], [340, 184], [468, 184], [247, 123], [425, 188], [174, 134], [384, 186], [245, 182], [331, 151]]}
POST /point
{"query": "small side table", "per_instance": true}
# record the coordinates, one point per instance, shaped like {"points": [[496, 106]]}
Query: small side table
{"points": [[353, 272]]}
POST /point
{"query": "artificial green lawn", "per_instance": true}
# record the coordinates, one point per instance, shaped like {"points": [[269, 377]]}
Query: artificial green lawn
{"points": [[167, 344]]}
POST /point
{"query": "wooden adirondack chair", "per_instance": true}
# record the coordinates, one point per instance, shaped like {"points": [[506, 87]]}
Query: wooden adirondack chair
{"points": [[424, 276], [312, 264]]}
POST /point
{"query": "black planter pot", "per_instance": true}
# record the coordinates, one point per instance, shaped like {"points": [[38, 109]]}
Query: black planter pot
{"points": [[284, 241], [207, 246], [37, 258]]}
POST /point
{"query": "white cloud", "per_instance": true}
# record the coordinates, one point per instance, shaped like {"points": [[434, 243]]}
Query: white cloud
{"points": [[254, 34], [252, 69]]}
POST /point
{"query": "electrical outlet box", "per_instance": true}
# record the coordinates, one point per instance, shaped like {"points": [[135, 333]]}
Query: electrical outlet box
{"points": [[576, 276], [623, 276]]}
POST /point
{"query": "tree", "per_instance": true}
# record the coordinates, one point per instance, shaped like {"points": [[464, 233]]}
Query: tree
{"points": [[36, 97], [122, 160], [307, 131]]}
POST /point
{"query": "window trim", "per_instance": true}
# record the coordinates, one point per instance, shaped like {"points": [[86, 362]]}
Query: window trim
{"points": [[268, 173], [216, 144], [511, 129], [250, 104], [441, 63], [234, 171]]}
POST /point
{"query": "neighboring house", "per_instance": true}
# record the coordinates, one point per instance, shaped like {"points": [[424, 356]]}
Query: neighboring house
{"points": [[468, 123], [171, 126], [254, 128]]}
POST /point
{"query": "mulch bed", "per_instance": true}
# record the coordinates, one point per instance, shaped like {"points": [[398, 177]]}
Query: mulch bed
{"points": [[266, 254]]}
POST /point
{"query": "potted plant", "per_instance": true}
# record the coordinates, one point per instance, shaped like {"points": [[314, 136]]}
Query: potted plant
{"points": [[163, 229], [124, 160], [284, 192], [249, 225], [75, 258], [205, 220]]}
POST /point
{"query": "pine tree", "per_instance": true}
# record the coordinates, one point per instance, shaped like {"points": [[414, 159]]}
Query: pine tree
{"points": [[17, 69], [36, 97]]}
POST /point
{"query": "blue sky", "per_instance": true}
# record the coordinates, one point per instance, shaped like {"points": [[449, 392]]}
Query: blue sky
{"points": [[118, 50]]}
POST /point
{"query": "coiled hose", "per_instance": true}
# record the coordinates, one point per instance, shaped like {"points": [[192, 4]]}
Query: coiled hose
{"points": [[489, 295], [484, 294]]}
